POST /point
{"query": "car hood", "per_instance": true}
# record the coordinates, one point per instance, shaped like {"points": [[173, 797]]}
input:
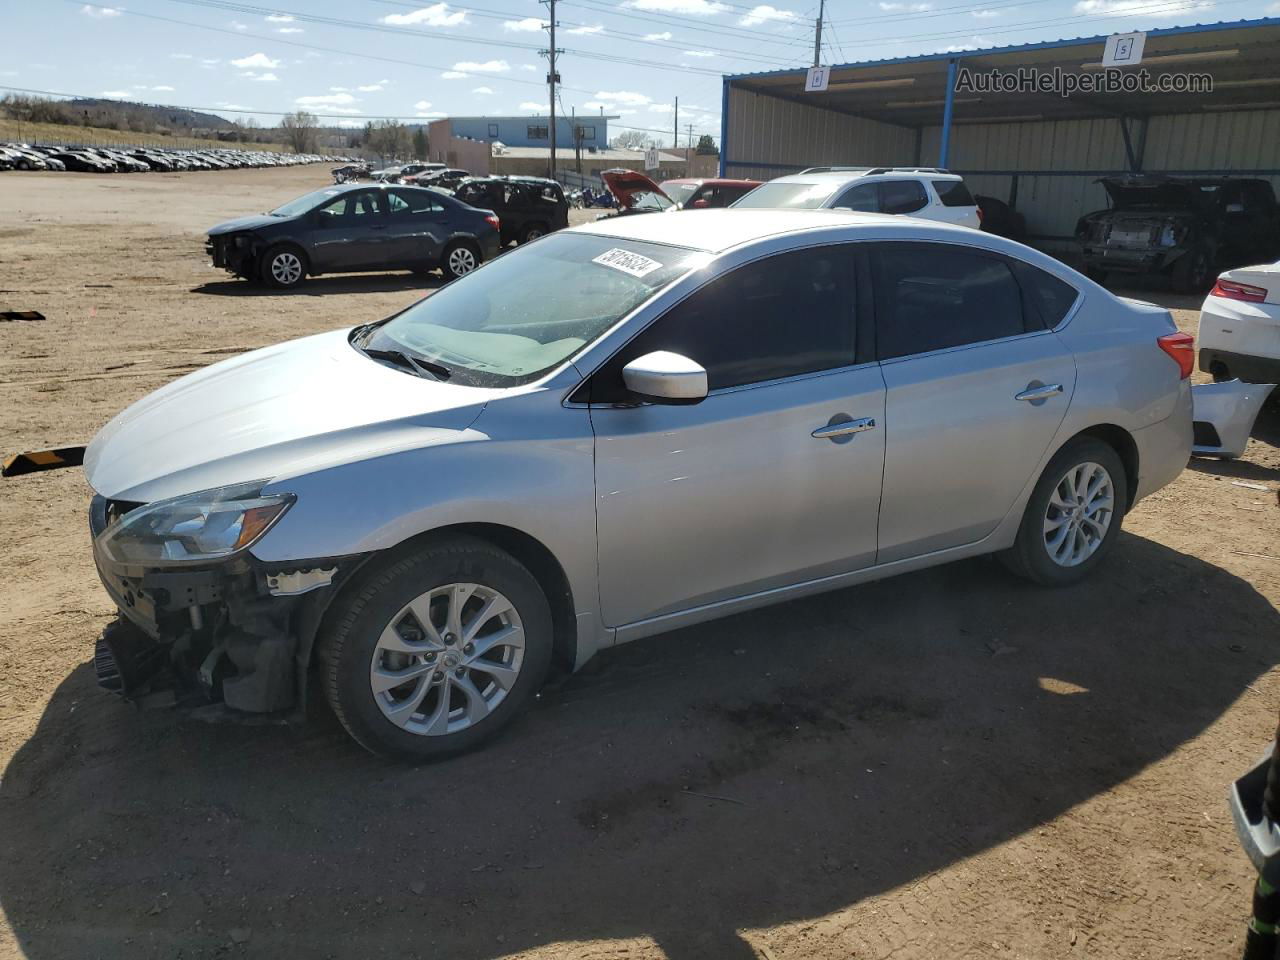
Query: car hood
{"points": [[244, 223], [629, 185], [273, 413]]}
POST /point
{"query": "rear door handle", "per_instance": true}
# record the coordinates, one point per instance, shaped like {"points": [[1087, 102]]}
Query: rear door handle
{"points": [[1039, 392], [844, 428]]}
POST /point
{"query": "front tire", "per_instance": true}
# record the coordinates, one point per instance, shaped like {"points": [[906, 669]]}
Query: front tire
{"points": [[1073, 516], [283, 267], [437, 651], [1192, 272]]}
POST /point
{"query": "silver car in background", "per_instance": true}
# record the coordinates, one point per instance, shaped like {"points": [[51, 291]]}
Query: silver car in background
{"points": [[615, 431]]}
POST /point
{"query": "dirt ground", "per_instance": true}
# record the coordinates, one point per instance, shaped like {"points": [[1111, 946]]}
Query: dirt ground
{"points": [[948, 764]]}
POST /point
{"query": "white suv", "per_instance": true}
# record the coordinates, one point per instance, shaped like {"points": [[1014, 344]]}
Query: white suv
{"points": [[925, 192]]}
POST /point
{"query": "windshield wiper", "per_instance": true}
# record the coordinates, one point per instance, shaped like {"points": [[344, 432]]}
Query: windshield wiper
{"points": [[416, 364]]}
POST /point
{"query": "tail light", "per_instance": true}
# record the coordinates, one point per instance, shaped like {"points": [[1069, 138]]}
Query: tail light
{"points": [[1231, 290], [979, 214], [1182, 347], [493, 221]]}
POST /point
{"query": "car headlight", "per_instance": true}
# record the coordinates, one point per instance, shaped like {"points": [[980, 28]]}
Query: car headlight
{"points": [[197, 527]]}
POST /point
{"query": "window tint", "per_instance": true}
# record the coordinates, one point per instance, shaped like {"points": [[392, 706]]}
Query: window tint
{"points": [[902, 196], [1050, 297], [932, 296], [787, 315], [864, 198], [411, 202], [363, 203], [953, 193]]}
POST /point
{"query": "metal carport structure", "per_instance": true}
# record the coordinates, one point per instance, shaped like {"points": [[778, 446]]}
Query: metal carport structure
{"points": [[1037, 150]]}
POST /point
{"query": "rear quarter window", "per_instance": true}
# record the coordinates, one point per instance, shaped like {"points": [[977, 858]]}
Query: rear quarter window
{"points": [[1050, 297], [953, 193]]}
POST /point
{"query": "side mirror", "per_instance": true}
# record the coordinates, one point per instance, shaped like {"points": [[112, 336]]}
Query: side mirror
{"points": [[664, 377]]}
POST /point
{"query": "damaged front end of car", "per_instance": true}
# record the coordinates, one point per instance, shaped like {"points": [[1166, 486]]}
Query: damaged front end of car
{"points": [[234, 252], [201, 619]]}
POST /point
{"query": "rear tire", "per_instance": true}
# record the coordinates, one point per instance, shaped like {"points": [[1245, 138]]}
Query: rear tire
{"points": [[1192, 272], [426, 615], [532, 232], [1070, 525], [459, 259]]}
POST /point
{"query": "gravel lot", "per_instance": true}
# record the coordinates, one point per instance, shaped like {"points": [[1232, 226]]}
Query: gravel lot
{"points": [[948, 764]]}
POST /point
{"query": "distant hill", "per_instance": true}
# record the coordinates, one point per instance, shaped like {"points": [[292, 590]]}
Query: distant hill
{"points": [[175, 118]]}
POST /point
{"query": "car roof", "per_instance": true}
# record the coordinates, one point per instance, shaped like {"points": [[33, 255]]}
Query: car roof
{"points": [[836, 177], [715, 231], [715, 181]]}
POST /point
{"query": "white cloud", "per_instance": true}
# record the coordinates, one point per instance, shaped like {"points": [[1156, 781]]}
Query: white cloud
{"points": [[422, 105], [483, 91], [622, 96], [765, 13], [984, 14], [279, 18], [211, 62], [528, 66], [452, 75], [527, 25], [661, 108], [909, 7], [436, 15], [530, 105], [181, 56], [696, 8], [231, 106], [163, 88], [488, 66], [371, 87], [975, 43], [1159, 10], [290, 30], [665, 35], [326, 100], [237, 25], [116, 94], [99, 13], [430, 116], [596, 105], [256, 61], [701, 53], [583, 31], [261, 77]]}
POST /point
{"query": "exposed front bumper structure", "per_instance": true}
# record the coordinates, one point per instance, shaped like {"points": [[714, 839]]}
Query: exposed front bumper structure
{"points": [[239, 631]]}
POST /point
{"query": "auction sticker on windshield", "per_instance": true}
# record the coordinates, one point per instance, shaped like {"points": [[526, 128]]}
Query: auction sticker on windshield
{"points": [[627, 262]]}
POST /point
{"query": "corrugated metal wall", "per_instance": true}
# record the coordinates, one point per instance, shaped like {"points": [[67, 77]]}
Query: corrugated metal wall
{"points": [[768, 135], [780, 136]]}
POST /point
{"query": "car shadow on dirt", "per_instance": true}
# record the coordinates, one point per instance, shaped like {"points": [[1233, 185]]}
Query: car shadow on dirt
{"points": [[326, 285], [1266, 429], [774, 766]]}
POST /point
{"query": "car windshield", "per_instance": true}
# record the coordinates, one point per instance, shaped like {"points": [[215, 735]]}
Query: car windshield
{"points": [[679, 192], [804, 196], [304, 203], [526, 312], [646, 199]]}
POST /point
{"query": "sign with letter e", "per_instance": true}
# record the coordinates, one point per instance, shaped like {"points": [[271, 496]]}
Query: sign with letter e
{"points": [[816, 81], [1124, 50]]}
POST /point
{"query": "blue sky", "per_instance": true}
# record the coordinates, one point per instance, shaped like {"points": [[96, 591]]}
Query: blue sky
{"points": [[407, 59]]}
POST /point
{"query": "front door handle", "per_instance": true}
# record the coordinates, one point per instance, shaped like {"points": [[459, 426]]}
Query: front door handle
{"points": [[1038, 393], [843, 428]]}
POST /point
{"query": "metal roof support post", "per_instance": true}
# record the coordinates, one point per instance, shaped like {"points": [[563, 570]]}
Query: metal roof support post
{"points": [[944, 153], [724, 126], [1128, 145]]}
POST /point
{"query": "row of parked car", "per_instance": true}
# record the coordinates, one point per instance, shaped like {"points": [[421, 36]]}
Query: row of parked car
{"points": [[25, 156]]}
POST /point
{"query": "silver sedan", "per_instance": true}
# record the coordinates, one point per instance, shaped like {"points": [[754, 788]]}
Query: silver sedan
{"points": [[615, 431]]}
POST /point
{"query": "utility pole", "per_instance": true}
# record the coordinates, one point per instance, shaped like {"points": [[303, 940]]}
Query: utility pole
{"points": [[553, 78], [675, 143], [817, 36], [688, 154]]}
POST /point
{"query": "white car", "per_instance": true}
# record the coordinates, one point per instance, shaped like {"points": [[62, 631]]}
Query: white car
{"points": [[1239, 333], [927, 193]]}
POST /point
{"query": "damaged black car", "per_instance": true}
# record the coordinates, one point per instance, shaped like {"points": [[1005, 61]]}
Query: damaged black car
{"points": [[1187, 228]]}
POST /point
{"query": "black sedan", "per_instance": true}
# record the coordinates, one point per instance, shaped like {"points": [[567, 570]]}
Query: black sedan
{"points": [[84, 162], [354, 227]]}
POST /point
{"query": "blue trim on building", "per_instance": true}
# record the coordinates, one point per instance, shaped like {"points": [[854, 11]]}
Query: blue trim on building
{"points": [[944, 151], [724, 124], [1020, 48]]}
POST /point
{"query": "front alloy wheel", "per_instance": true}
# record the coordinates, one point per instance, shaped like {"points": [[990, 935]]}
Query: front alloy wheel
{"points": [[447, 659], [282, 267], [429, 653]]}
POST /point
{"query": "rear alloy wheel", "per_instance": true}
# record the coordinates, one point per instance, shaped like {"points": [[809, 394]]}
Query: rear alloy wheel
{"points": [[282, 267], [532, 232], [438, 651], [459, 260], [1073, 515]]}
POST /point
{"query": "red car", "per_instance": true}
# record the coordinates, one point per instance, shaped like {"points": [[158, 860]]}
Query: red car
{"points": [[637, 193]]}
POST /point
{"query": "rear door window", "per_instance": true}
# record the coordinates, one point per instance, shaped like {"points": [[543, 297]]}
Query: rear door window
{"points": [[931, 296], [953, 193], [412, 203], [902, 196]]}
